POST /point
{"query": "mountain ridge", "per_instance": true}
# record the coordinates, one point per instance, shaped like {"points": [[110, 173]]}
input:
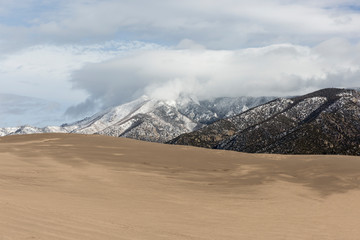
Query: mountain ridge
{"points": [[298, 125], [150, 119]]}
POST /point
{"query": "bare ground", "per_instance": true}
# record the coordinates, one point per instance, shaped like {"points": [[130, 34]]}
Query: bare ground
{"points": [[64, 186]]}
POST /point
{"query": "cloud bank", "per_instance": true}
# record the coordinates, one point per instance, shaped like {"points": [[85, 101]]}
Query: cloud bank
{"points": [[227, 24], [18, 110], [44, 70], [102, 53], [276, 70]]}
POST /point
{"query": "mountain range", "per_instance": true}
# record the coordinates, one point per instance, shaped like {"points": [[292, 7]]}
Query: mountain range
{"points": [[323, 122], [151, 119]]}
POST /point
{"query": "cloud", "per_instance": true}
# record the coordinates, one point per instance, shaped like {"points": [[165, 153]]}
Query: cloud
{"points": [[19, 110], [220, 25], [277, 70], [229, 24], [44, 70], [80, 110], [104, 52]]}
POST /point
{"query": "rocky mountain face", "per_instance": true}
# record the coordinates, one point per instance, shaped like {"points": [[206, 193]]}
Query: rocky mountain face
{"points": [[322, 122], [150, 119]]}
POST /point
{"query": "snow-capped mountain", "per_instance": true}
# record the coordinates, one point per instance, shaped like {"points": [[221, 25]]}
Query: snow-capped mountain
{"points": [[323, 122], [151, 119]]}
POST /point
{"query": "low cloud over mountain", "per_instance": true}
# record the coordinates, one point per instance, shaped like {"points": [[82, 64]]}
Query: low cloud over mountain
{"points": [[275, 70]]}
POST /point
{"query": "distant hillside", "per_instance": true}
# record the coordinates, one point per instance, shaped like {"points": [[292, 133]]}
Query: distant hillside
{"points": [[323, 122]]}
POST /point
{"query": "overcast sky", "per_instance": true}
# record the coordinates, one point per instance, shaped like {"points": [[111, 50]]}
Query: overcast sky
{"points": [[79, 56]]}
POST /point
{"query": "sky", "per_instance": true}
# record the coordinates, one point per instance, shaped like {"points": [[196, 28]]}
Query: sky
{"points": [[62, 60]]}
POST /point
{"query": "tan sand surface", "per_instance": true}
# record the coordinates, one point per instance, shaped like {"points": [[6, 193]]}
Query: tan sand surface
{"points": [[63, 186]]}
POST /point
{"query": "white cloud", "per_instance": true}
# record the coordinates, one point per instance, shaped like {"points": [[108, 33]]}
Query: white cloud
{"points": [[228, 24], [45, 70], [216, 24], [18, 110], [219, 48], [284, 69]]}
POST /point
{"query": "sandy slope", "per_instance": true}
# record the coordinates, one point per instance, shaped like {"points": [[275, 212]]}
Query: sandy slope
{"points": [[61, 186]]}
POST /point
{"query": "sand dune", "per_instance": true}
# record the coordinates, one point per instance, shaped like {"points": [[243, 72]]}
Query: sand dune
{"points": [[62, 186]]}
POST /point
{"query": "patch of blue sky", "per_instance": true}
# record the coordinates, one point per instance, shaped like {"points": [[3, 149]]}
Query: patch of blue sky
{"points": [[351, 7], [28, 14], [355, 7]]}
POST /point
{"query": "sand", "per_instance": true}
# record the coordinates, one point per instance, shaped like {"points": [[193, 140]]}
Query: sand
{"points": [[64, 186]]}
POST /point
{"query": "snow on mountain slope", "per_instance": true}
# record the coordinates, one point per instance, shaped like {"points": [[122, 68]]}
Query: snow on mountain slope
{"points": [[323, 122], [151, 119], [110, 116], [161, 124], [228, 107]]}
